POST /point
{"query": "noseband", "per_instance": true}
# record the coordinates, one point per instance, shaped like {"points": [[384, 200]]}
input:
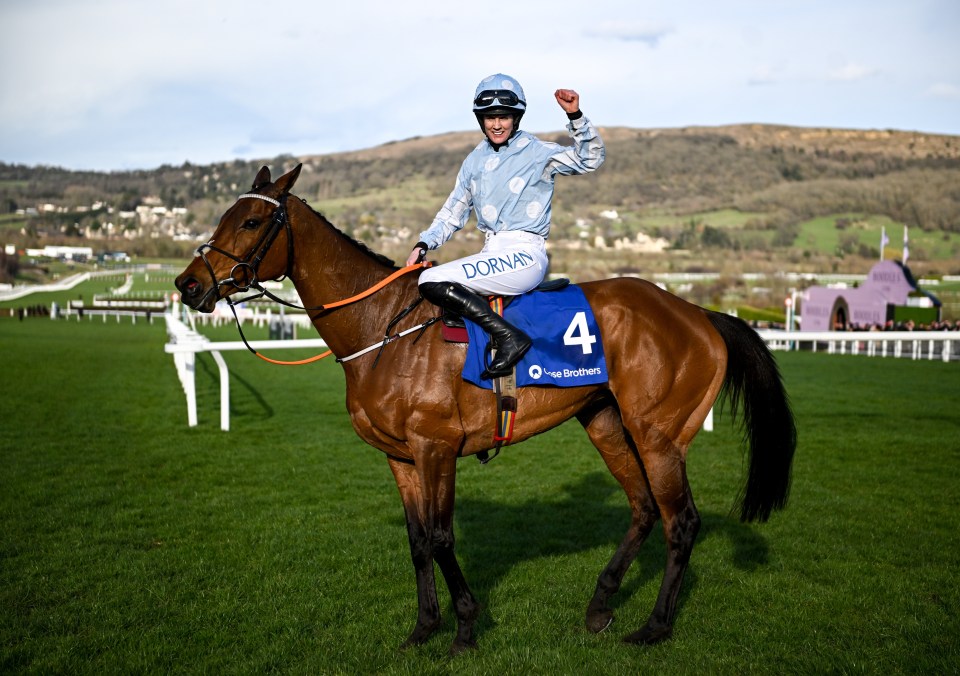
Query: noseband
{"points": [[243, 275]]}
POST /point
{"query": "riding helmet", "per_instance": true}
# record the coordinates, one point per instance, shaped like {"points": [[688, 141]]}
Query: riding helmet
{"points": [[499, 94]]}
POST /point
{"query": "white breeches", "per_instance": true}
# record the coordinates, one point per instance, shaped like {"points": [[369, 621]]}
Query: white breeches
{"points": [[510, 263]]}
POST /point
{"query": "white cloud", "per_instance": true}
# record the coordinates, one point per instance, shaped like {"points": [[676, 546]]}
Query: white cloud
{"points": [[851, 72], [765, 75], [129, 83], [628, 31], [943, 90]]}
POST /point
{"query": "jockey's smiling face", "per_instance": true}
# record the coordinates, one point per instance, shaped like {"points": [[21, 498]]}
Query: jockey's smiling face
{"points": [[498, 128]]}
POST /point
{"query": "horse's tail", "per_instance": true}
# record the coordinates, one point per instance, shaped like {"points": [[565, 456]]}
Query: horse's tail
{"points": [[769, 431]]}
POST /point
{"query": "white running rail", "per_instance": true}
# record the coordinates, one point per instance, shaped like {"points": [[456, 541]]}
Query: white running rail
{"points": [[185, 343]]}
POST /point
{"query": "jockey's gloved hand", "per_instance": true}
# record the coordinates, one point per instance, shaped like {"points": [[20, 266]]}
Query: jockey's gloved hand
{"points": [[418, 254]]}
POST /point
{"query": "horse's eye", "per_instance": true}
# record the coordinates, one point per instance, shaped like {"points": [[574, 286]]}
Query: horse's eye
{"points": [[250, 224]]}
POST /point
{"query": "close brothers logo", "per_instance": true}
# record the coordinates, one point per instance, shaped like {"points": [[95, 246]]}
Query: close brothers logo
{"points": [[536, 372]]}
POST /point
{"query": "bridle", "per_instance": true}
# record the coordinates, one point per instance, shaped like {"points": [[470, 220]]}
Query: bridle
{"points": [[244, 277]]}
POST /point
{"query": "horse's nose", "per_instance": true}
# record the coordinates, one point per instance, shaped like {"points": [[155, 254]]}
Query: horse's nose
{"points": [[189, 286]]}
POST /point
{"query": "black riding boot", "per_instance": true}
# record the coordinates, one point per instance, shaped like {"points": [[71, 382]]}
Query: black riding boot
{"points": [[511, 342]]}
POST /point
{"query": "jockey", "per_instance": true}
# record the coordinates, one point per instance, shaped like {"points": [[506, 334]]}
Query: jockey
{"points": [[508, 181]]}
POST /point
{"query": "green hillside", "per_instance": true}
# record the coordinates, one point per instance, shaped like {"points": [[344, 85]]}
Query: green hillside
{"points": [[755, 198]]}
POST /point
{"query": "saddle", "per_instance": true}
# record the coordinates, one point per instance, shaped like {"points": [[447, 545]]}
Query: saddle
{"points": [[454, 330]]}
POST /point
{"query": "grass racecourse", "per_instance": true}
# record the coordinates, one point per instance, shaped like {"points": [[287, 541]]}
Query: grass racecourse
{"points": [[132, 543]]}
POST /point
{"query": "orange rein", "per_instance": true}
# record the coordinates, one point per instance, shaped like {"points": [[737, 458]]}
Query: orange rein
{"points": [[346, 301]]}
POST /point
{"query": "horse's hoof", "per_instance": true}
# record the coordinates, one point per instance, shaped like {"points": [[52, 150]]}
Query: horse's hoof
{"points": [[649, 635], [597, 622], [460, 647], [419, 636]]}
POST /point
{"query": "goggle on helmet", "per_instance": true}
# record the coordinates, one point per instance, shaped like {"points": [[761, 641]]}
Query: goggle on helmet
{"points": [[501, 94]]}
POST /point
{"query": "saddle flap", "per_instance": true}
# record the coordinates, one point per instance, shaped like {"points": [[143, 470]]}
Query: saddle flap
{"points": [[454, 334]]}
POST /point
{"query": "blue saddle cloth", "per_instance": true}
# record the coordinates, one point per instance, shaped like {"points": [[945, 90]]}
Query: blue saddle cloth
{"points": [[567, 350]]}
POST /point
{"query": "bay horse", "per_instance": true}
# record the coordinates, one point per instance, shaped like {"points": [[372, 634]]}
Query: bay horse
{"points": [[668, 362]]}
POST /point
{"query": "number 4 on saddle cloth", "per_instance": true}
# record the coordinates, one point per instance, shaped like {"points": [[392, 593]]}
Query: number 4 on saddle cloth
{"points": [[567, 350]]}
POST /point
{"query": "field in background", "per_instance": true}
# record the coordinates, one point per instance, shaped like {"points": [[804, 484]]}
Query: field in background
{"points": [[149, 284], [726, 294], [134, 543]]}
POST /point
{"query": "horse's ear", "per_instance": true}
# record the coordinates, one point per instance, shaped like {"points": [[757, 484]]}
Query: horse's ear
{"points": [[285, 182], [262, 179]]}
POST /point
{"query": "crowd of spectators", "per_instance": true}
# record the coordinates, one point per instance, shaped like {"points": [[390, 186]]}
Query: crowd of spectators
{"points": [[909, 325], [890, 325], [26, 311]]}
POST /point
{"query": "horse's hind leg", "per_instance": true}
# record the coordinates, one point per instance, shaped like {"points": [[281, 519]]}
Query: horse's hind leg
{"points": [[665, 465], [606, 431]]}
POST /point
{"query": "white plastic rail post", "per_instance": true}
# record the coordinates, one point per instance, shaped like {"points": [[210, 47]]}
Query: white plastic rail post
{"points": [[224, 390]]}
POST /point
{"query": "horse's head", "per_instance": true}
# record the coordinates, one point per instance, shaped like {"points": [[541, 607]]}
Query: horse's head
{"points": [[242, 252]]}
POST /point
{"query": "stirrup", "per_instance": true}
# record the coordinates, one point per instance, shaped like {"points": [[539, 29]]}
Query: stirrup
{"points": [[507, 369]]}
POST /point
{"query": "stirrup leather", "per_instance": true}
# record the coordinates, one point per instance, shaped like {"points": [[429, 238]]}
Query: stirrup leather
{"points": [[505, 389]]}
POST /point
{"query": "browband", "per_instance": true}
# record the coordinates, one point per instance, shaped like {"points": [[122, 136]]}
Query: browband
{"points": [[260, 197]]}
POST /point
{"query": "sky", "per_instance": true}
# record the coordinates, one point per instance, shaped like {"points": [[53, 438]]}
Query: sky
{"points": [[114, 85]]}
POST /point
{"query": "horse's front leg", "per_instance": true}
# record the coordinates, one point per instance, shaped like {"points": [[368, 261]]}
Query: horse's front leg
{"points": [[428, 609], [443, 476], [429, 501]]}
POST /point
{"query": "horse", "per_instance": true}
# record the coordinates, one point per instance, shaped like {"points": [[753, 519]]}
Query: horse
{"points": [[668, 362]]}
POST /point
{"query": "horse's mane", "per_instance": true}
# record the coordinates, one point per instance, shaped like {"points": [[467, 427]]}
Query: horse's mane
{"points": [[378, 257]]}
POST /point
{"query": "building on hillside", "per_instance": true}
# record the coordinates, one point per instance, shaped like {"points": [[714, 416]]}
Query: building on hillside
{"points": [[889, 294], [77, 254], [113, 257]]}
